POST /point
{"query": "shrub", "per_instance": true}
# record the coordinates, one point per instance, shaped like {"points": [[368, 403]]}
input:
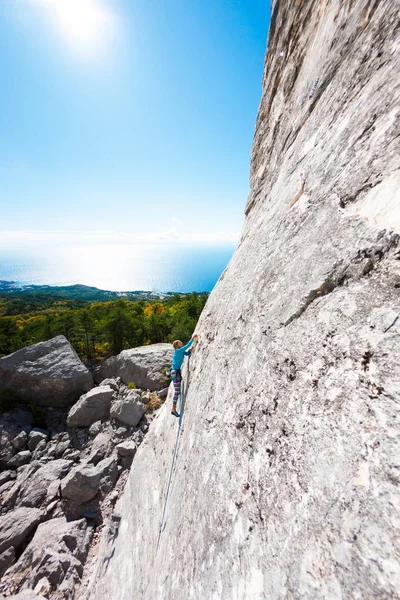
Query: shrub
{"points": [[131, 385], [154, 403]]}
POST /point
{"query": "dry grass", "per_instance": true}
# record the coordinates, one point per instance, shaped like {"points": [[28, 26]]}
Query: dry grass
{"points": [[154, 403]]}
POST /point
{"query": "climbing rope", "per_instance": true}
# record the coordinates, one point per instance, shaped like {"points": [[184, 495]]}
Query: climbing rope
{"points": [[181, 406]]}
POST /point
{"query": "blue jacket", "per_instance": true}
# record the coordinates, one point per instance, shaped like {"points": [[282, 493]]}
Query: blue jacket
{"points": [[179, 355]]}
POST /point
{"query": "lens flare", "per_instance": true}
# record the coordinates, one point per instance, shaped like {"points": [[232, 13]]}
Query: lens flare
{"points": [[86, 25]]}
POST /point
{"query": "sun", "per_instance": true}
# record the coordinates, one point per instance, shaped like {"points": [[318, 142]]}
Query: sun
{"points": [[84, 24]]}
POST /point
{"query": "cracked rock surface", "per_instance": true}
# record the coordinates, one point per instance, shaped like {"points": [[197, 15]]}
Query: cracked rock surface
{"points": [[286, 483]]}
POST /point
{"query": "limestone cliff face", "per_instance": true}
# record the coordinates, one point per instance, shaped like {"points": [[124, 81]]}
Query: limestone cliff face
{"points": [[286, 482]]}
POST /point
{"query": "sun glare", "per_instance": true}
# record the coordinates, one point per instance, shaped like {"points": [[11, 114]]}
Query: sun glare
{"points": [[85, 24]]}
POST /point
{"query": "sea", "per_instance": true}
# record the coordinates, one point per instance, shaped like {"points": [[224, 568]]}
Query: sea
{"points": [[159, 267]]}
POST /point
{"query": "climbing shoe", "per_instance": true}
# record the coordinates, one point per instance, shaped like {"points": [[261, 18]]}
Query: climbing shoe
{"points": [[173, 412]]}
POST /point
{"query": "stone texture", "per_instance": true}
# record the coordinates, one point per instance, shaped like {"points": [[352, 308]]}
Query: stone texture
{"points": [[112, 383], [7, 559], [56, 554], [127, 448], [95, 428], [83, 482], [91, 407], [35, 437], [128, 409], [22, 458], [286, 482], [143, 366], [16, 526], [20, 441], [48, 373], [42, 486], [101, 446], [27, 595]]}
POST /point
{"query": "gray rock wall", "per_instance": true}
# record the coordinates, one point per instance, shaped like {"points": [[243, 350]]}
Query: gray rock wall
{"points": [[286, 483]]}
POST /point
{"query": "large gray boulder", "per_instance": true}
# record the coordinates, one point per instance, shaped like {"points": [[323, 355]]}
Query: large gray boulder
{"points": [[83, 482], [286, 483], [143, 366], [91, 407], [48, 373], [128, 409], [17, 525], [55, 556]]}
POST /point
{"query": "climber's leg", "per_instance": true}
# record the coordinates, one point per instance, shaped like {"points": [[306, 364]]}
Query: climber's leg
{"points": [[177, 392]]}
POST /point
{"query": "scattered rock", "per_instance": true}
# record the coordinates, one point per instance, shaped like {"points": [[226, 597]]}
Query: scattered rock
{"points": [[22, 458], [56, 553], [142, 366], [95, 428], [19, 442], [41, 487], [35, 437], [146, 397], [91, 407], [7, 476], [71, 454], [112, 383], [101, 447], [83, 482], [163, 393], [127, 448], [48, 373], [129, 409], [16, 526]]}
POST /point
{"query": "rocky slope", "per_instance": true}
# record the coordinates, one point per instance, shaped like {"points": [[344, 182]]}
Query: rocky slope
{"points": [[286, 481], [59, 482]]}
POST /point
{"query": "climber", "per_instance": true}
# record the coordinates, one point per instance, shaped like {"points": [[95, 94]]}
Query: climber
{"points": [[180, 352]]}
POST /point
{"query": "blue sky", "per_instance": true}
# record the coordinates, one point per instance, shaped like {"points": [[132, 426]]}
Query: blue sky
{"points": [[132, 116]]}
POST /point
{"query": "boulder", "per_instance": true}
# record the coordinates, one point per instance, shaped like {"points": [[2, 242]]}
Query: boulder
{"points": [[128, 409], [59, 443], [91, 407], [17, 525], [7, 476], [48, 373], [20, 440], [22, 458], [109, 474], [127, 448], [56, 552], [101, 446], [42, 486], [143, 366], [95, 428], [83, 482], [35, 437], [112, 383]]}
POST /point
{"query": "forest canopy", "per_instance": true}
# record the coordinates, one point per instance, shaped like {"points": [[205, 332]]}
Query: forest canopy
{"points": [[96, 329]]}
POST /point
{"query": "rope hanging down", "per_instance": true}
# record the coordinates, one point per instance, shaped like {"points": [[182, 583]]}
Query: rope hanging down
{"points": [[181, 409]]}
